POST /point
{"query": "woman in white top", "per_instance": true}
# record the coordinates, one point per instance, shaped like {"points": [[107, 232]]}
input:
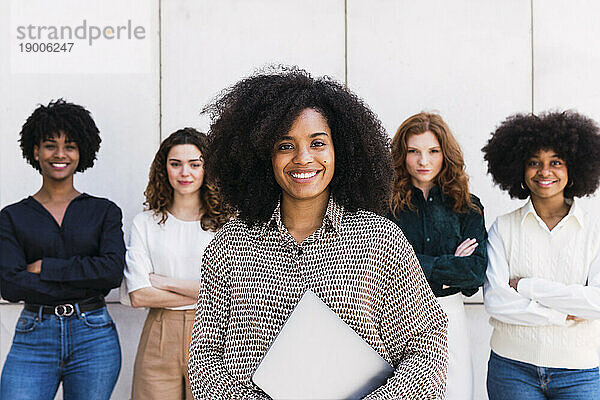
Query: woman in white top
{"points": [[542, 285], [163, 262]]}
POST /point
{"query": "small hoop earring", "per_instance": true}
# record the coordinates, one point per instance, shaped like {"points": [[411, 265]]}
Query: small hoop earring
{"points": [[522, 186], [570, 184]]}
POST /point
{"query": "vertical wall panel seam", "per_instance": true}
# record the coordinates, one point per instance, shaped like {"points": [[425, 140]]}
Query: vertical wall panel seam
{"points": [[160, 68], [346, 42], [532, 60]]}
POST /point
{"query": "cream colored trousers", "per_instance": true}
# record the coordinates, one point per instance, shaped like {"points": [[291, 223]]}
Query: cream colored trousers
{"points": [[160, 371], [459, 385]]}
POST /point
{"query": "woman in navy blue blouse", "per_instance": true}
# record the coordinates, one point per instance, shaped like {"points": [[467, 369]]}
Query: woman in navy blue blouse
{"points": [[61, 251], [444, 224]]}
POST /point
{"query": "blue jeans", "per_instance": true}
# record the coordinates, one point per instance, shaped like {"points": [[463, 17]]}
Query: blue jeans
{"points": [[514, 380], [82, 351]]}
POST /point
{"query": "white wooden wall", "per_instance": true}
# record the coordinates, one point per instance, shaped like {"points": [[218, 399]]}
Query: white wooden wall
{"points": [[475, 62]]}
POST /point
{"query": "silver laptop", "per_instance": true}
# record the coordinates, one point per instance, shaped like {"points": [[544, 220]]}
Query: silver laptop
{"points": [[316, 355]]}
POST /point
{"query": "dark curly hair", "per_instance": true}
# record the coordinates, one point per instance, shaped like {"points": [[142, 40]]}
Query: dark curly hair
{"points": [[159, 192], [452, 178], [574, 137], [74, 121], [249, 117]]}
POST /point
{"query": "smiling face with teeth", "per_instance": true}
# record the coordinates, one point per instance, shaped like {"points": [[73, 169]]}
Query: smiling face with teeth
{"points": [[304, 159], [546, 175], [58, 157]]}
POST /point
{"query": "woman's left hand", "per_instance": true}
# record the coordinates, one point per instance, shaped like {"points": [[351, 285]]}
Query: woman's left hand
{"points": [[159, 281], [514, 282], [35, 267]]}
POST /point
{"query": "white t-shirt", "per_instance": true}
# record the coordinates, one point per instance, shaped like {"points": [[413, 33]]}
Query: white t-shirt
{"points": [[172, 249]]}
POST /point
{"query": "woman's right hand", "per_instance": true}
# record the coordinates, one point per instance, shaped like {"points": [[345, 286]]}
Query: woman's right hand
{"points": [[466, 248]]}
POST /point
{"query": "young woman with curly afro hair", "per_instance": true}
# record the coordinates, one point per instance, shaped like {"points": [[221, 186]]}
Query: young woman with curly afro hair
{"points": [[444, 223], [306, 164], [61, 252], [542, 287], [183, 210]]}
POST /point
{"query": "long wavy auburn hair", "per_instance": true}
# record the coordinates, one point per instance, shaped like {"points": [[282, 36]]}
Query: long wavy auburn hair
{"points": [[452, 178], [159, 192]]}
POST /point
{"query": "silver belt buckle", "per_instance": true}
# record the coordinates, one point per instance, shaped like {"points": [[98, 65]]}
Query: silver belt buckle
{"points": [[64, 310]]}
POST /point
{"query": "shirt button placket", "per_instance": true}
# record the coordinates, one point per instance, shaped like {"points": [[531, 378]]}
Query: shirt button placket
{"points": [[300, 264], [426, 218]]}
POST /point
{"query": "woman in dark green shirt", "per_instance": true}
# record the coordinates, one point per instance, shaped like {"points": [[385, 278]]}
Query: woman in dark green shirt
{"points": [[444, 223]]}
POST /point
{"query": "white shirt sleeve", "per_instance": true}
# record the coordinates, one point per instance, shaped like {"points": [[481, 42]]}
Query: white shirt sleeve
{"points": [[138, 264], [580, 300], [502, 301]]}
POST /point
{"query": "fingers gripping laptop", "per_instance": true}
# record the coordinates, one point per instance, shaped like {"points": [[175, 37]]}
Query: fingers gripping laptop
{"points": [[316, 355]]}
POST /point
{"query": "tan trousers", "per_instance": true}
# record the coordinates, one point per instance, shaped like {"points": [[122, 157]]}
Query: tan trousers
{"points": [[160, 371]]}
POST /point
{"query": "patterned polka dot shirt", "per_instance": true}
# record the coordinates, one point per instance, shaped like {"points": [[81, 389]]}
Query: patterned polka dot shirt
{"points": [[359, 264]]}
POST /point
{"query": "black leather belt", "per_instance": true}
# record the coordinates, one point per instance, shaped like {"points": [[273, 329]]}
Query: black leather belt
{"points": [[67, 309]]}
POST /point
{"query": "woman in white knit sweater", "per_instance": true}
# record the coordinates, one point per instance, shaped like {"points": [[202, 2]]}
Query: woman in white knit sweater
{"points": [[542, 285]]}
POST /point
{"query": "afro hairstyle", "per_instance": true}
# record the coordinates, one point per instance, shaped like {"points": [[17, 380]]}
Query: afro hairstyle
{"points": [[249, 117], [72, 120], [574, 137]]}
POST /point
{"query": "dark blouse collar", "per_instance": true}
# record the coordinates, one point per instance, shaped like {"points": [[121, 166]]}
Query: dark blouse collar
{"points": [[435, 192]]}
